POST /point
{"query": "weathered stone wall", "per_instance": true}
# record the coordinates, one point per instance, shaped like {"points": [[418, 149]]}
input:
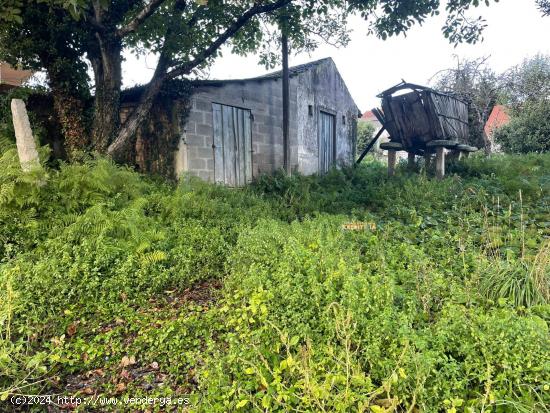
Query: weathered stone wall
{"points": [[323, 88], [158, 138]]}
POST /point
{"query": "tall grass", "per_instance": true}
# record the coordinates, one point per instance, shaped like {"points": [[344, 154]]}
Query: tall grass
{"points": [[523, 283]]}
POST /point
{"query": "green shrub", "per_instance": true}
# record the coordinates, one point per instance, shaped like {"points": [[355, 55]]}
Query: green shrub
{"points": [[99, 263], [528, 131]]}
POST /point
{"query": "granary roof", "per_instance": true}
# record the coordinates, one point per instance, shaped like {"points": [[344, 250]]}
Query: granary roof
{"points": [[413, 86]]}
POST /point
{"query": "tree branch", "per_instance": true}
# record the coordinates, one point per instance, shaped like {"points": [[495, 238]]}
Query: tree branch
{"points": [[132, 25], [229, 32]]}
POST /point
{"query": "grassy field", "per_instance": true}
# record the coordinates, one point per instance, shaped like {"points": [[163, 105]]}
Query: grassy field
{"points": [[113, 285]]}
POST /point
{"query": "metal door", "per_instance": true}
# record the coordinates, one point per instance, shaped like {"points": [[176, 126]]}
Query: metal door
{"points": [[327, 144], [232, 145]]}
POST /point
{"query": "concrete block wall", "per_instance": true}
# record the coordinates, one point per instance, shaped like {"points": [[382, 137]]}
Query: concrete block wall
{"points": [[321, 87], [264, 100]]}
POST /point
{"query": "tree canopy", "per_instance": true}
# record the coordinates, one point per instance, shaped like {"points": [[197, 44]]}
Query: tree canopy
{"points": [[526, 91], [63, 37], [473, 81]]}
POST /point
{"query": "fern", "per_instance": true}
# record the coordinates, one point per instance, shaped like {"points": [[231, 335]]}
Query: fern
{"points": [[153, 257]]}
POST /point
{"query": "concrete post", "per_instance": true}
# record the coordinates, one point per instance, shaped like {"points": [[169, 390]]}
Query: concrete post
{"points": [[440, 162], [26, 147], [392, 158]]}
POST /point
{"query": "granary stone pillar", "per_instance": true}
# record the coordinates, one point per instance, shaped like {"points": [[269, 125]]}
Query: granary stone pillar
{"points": [[392, 157], [440, 162], [392, 148], [26, 147], [440, 146]]}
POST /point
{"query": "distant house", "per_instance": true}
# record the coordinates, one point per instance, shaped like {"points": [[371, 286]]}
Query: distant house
{"points": [[369, 117], [499, 117], [11, 77], [233, 132]]}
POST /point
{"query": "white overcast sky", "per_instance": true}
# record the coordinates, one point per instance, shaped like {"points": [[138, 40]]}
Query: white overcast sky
{"points": [[516, 30]]}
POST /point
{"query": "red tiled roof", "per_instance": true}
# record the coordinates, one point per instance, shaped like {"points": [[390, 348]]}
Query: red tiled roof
{"points": [[11, 76], [498, 118], [368, 115]]}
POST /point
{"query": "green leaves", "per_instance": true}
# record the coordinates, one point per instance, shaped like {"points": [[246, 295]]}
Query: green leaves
{"points": [[257, 299]]}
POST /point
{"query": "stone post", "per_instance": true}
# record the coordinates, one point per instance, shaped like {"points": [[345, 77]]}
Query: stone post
{"points": [[26, 147], [440, 162], [392, 158]]}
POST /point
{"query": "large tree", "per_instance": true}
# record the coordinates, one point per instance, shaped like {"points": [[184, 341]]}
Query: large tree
{"points": [[527, 94], [480, 87], [527, 83], [186, 35], [46, 38]]}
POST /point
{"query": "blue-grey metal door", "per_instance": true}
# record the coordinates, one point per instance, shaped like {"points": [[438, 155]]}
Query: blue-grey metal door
{"points": [[232, 145], [327, 141]]}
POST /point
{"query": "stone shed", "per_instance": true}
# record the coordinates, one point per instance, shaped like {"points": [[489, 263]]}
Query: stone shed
{"points": [[234, 129], [231, 131]]}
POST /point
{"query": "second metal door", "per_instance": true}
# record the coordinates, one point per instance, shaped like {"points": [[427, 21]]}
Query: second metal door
{"points": [[327, 141]]}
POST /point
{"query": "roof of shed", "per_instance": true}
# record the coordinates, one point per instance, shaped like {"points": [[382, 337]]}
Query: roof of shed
{"points": [[292, 71], [133, 93]]}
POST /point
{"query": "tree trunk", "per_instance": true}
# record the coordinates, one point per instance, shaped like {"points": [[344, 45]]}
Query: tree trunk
{"points": [[126, 134], [69, 100], [124, 139], [106, 64], [70, 111]]}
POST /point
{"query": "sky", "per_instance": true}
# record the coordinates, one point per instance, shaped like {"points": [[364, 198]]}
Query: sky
{"points": [[516, 30]]}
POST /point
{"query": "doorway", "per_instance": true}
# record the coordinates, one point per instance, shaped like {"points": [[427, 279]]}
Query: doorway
{"points": [[327, 141], [232, 145]]}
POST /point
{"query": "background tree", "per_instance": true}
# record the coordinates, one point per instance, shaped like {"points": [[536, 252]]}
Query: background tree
{"points": [[527, 83], [187, 36], [480, 87], [365, 133], [544, 6], [527, 94], [528, 130]]}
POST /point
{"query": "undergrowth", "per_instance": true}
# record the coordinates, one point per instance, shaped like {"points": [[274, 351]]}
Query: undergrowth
{"points": [[257, 299]]}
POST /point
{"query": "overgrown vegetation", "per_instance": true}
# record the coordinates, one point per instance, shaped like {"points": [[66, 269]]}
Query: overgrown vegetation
{"points": [[528, 130], [365, 133], [257, 299]]}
